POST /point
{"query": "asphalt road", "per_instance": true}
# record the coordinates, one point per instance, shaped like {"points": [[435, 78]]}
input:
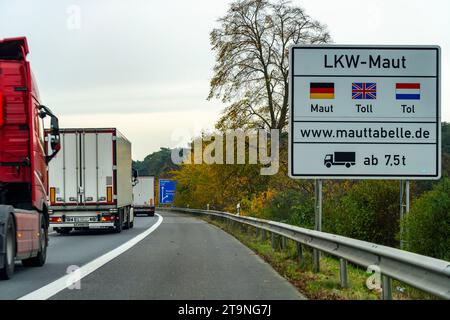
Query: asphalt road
{"points": [[77, 248], [185, 258]]}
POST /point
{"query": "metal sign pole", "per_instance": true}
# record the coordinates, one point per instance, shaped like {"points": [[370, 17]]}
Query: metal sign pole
{"points": [[318, 220], [404, 208]]}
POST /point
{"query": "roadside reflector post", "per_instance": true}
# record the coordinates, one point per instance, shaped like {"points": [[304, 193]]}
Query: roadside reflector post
{"points": [[318, 221], [207, 207], [299, 252], [343, 273], [386, 283]]}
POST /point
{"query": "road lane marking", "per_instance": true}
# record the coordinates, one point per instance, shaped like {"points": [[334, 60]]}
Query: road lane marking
{"points": [[62, 283]]}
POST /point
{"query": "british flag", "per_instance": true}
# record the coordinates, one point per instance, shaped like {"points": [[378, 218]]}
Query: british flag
{"points": [[364, 91]]}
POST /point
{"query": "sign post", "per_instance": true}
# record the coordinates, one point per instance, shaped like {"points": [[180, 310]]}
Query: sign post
{"points": [[404, 208], [318, 221]]}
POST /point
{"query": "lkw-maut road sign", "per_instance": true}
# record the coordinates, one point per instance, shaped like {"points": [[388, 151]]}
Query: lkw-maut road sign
{"points": [[166, 191], [359, 112]]}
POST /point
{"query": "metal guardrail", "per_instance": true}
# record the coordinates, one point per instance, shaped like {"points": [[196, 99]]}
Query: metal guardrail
{"points": [[425, 273]]}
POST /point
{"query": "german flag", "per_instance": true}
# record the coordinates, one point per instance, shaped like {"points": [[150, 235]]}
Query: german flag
{"points": [[321, 90]]}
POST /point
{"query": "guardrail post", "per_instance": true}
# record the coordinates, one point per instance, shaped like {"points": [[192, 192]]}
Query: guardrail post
{"points": [[283, 243], [386, 283], [263, 235], [343, 273], [316, 261], [257, 232], [299, 252], [274, 245]]}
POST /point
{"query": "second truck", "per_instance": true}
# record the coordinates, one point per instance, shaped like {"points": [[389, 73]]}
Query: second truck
{"points": [[144, 196], [91, 181]]}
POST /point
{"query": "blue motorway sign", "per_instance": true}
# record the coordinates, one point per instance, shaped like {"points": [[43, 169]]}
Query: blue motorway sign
{"points": [[166, 191]]}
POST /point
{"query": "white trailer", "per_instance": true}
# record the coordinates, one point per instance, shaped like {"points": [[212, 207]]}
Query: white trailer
{"points": [[90, 181], [144, 195]]}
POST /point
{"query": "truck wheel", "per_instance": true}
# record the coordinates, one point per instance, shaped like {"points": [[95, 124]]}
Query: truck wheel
{"points": [[7, 269], [348, 165], [119, 223], [39, 260], [132, 222], [127, 224], [328, 165]]}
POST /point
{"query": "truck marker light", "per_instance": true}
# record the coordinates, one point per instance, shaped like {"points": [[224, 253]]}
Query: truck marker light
{"points": [[109, 194], [52, 195]]}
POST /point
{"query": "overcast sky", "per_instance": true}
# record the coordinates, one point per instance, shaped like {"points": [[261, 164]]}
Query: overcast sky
{"points": [[144, 66]]}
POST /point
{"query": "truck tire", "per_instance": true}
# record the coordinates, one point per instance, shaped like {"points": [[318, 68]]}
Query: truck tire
{"points": [[132, 215], [119, 223], [40, 258], [128, 223], [7, 267]]}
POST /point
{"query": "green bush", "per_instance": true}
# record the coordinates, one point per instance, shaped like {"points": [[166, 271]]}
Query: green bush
{"points": [[368, 211], [292, 207], [427, 226]]}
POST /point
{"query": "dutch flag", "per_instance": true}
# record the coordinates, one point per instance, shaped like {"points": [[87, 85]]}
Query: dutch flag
{"points": [[407, 91]]}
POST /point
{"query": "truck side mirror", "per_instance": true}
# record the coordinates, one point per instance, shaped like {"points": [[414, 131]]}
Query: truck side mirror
{"points": [[55, 142], [54, 126]]}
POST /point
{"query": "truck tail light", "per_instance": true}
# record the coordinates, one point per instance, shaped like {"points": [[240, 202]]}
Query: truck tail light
{"points": [[2, 109], [107, 218], [52, 195], [55, 219], [109, 194]]}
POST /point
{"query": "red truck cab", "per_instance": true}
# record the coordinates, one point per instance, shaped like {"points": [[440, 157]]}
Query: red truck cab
{"points": [[23, 161]]}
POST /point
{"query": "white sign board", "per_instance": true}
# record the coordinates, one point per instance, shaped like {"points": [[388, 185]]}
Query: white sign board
{"points": [[365, 112]]}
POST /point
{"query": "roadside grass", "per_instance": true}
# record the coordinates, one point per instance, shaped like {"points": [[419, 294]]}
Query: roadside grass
{"points": [[324, 285]]}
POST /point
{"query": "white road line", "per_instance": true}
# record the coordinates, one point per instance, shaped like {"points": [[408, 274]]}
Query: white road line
{"points": [[62, 283]]}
